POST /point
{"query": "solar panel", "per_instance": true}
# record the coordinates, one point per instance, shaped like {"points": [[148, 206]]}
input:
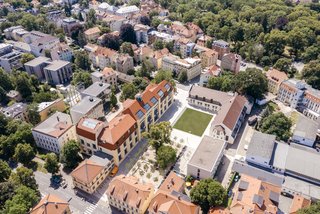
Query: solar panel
{"points": [[91, 124]]}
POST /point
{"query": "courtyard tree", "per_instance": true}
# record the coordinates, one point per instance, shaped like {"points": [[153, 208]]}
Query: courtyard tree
{"points": [[82, 60], [111, 41], [5, 171], [208, 193], [127, 33], [51, 163], [164, 75], [182, 77], [33, 114], [70, 154], [277, 124], [24, 153], [159, 134], [165, 156], [126, 47], [113, 100], [81, 76], [129, 90]]}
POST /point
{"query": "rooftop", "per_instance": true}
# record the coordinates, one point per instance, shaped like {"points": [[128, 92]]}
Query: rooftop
{"points": [[86, 104], [261, 145], [89, 128], [306, 128], [299, 202], [15, 109], [277, 75], [128, 9], [207, 153], [96, 89], [173, 182], [37, 61], [51, 204], [92, 31], [56, 65]]}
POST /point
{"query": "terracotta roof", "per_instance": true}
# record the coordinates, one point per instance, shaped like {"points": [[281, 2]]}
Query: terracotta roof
{"points": [[127, 189], [111, 135], [160, 53], [93, 30], [50, 204], [89, 128], [105, 52], [276, 75], [164, 202], [219, 210], [255, 195], [298, 203], [87, 171], [172, 182], [108, 71], [214, 70]]}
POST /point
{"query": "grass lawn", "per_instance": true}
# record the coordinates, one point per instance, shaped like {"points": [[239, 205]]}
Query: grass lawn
{"points": [[192, 121]]}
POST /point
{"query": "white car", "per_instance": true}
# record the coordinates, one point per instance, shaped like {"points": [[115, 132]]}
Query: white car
{"points": [[246, 147]]}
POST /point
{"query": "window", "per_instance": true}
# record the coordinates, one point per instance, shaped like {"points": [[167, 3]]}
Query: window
{"points": [[160, 93], [167, 86], [154, 100], [139, 114], [146, 107], [94, 146]]}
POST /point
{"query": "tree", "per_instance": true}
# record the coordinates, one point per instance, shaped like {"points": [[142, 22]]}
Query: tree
{"points": [[159, 134], [81, 39], [277, 124], [163, 75], [145, 20], [82, 76], [208, 193], [26, 57], [158, 44], [155, 22], [126, 47], [5, 81], [23, 86], [145, 69], [5, 171], [24, 176], [70, 154], [166, 155], [127, 33], [24, 153], [33, 114], [222, 83], [111, 41], [129, 90], [45, 96], [113, 100], [82, 60], [285, 65], [91, 19], [141, 83], [313, 209], [182, 77], [311, 73], [7, 192], [24, 199], [51, 164]]}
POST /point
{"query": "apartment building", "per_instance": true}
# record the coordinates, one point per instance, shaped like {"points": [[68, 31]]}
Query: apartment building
{"points": [[142, 33], [91, 107], [230, 108], [101, 57], [275, 78], [11, 61], [222, 47], [15, 33], [61, 52], [40, 42], [128, 195], [184, 46], [203, 40], [208, 73], [36, 66], [99, 90], [123, 63], [301, 96], [68, 24], [108, 75], [231, 62], [51, 204], [114, 21], [305, 131], [92, 34], [208, 56], [58, 72], [190, 65], [54, 132], [91, 173], [17, 111], [127, 11]]}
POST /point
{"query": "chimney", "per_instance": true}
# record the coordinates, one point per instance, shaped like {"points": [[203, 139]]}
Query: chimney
{"points": [[179, 197], [58, 119], [56, 204]]}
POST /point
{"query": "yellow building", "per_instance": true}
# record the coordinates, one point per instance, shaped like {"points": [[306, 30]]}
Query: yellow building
{"points": [[46, 108]]}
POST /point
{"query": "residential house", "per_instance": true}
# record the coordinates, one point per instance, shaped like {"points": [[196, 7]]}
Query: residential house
{"points": [[14, 95], [99, 90], [142, 53], [17, 111], [15, 33], [91, 107], [36, 66], [91, 173], [46, 108], [58, 72], [299, 202], [123, 63], [141, 33], [51, 204], [222, 47], [101, 57], [184, 46], [203, 40], [275, 78], [305, 132], [61, 52], [127, 11], [208, 73], [127, 194], [311, 104], [206, 159], [156, 58], [125, 78], [54, 132], [231, 62], [255, 196], [176, 65], [69, 25], [92, 34], [230, 108], [173, 182], [40, 42], [114, 21], [11, 61], [208, 56], [108, 75]]}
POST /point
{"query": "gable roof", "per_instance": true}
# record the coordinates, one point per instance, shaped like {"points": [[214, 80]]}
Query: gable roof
{"points": [[172, 182], [50, 204]]}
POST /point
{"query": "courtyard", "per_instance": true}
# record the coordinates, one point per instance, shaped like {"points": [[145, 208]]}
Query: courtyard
{"points": [[193, 122]]}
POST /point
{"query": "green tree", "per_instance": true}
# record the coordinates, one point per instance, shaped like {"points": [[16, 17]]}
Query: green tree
{"points": [[25, 177], [51, 163], [127, 33], [222, 83], [311, 73], [126, 47], [155, 22], [163, 75], [277, 124], [5, 81], [208, 193], [24, 199], [24, 153], [140, 83], [5, 171], [166, 155], [113, 100], [82, 77], [159, 134], [111, 41], [285, 65], [158, 45], [24, 87], [7, 192], [91, 19], [129, 90], [45, 96], [182, 77], [81, 39], [70, 154], [313, 209], [26, 57], [33, 114], [3, 95], [82, 60]]}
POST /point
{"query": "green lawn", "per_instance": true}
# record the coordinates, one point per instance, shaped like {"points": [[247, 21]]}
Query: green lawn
{"points": [[193, 122]]}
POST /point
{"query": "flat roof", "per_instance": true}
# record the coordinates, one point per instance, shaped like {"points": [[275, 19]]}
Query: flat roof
{"points": [[96, 88], [37, 61], [56, 65], [306, 128], [261, 145], [207, 153], [86, 104]]}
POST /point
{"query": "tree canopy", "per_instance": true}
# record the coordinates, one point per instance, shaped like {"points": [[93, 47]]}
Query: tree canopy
{"points": [[277, 124], [313, 209], [166, 155], [51, 163], [159, 134], [70, 154], [127, 33], [129, 90], [24, 153], [82, 76], [82, 60], [5, 171], [311, 73]]}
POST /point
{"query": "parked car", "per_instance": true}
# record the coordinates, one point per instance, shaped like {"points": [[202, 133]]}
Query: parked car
{"points": [[252, 120]]}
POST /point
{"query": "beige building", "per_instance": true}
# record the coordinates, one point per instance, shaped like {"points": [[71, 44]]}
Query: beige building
{"points": [[123, 63], [101, 57], [92, 34], [222, 47], [275, 78], [51, 204], [108, 75], [46, 108], [91, 173], [208, 58], [127, 194], [231, 62]]}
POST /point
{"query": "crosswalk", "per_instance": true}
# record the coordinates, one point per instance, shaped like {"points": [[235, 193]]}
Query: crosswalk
{"points": [[90, 209]]}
